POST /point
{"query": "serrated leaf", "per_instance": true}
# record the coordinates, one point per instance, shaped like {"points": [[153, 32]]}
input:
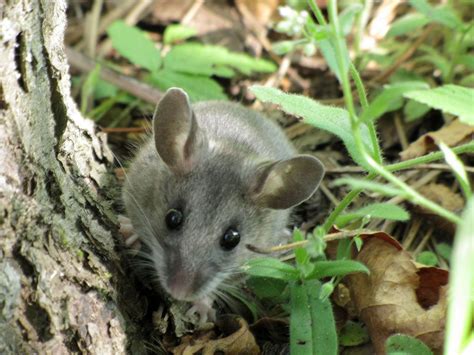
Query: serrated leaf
{"points": [[198, 87], [390, 94], [441, 14], [400, 344], [177, 32], [383, 189], [458, 168], [272, 268], [312, 325], [332, 268], [407, 24], [201, 59], [332, 119], [376, 210], [134, 45], [453, 99]]}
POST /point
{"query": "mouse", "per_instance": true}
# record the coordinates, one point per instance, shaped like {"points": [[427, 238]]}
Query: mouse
{"points": [[212, 177]]}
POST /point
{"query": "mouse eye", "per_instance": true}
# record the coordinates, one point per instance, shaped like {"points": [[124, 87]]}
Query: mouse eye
{"points": [[174, 219], [230, 239]]}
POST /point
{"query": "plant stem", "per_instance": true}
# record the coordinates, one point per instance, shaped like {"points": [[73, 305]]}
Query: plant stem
{"points": [[364, 103], [355, 122], [465, 148], [317, 12], [456, 52]]}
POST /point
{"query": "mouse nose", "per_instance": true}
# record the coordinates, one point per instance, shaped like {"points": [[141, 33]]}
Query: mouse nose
{"points": [[182, 284]]}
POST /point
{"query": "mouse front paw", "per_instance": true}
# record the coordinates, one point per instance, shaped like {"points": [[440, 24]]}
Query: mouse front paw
{"points": [[203, 310], [130, 239]]}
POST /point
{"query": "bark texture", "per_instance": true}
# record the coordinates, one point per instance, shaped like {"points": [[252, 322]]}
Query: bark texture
{"points": [[61, 284]]}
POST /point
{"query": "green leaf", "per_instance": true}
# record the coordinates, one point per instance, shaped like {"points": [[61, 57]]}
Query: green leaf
{"points": [[283, 47], [458, 168], [390, 94], [444, 250], [336, 268], [353, 334], [427, 258], [407, 24], [272, 268], [376, 210], [134, 45], [198, 87], [88, 87], [266, 287], [453, 99], [301, 254], [441, 14], [177, 32], [414, 110], [208, 60], [322, 37], [347, 16], [332, 119], [400, 344], [104, 89], [461, 286], [312, 325], [383, 189]]}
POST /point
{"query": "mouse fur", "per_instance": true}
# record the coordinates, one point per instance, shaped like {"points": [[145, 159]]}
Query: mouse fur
{"points": [[223, 166]]}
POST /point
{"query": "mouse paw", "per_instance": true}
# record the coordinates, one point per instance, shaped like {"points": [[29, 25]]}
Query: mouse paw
{"points": [[203, 310], [129, 237]]}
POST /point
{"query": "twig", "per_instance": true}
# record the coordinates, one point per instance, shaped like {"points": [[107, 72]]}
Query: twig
{"points": [[193, 10], [142, 91], [401, 132], [328, 237], [328, 194]]}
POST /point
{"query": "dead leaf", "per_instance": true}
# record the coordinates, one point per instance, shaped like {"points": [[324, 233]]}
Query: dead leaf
{"points": [[397, 297], [452, 134], [236, 339], [261, 10], [441, 195]]}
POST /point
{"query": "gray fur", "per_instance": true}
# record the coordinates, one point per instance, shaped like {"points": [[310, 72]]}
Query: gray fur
{"points": [[217, 190]]}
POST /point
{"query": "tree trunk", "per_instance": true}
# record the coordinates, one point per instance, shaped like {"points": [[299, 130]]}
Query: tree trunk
{"points": [[61, 279]]}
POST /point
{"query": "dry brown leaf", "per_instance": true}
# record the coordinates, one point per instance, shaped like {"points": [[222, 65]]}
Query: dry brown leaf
{"points": [[441, 195], [237, 339], [397, 297], [452, 134], [261, 10]]}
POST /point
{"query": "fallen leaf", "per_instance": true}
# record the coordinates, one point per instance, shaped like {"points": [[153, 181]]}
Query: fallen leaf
{"points": [[261, 10], [443, 196], [452, 134], [236, 339], [397, 297]]}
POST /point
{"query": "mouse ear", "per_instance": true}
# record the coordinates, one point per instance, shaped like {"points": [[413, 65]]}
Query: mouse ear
{"points": [[178, 139], [286, 183]]}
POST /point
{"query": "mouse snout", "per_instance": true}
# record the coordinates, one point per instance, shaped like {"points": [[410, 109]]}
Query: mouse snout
{"points": [[183, 284]]}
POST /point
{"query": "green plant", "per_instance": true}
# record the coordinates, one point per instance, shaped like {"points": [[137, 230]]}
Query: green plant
{"points": [[191, 66], [357, 129]]}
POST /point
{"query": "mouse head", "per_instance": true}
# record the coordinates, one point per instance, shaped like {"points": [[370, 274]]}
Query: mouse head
{"points": [[210, 202]]}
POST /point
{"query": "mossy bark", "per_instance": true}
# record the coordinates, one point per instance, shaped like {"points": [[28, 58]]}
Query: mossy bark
{"points": [[61, 279]]}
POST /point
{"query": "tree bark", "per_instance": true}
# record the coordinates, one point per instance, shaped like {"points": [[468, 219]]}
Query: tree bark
{"points": [[61, 278]]}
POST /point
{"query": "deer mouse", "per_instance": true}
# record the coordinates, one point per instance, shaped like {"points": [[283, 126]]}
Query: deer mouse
{"points": [[214, 177]]}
